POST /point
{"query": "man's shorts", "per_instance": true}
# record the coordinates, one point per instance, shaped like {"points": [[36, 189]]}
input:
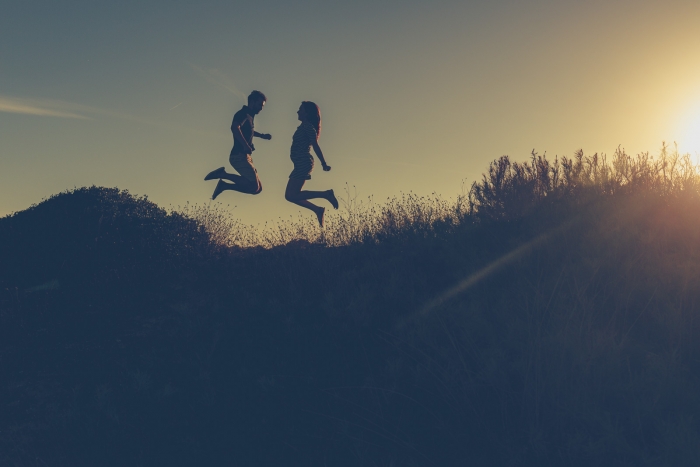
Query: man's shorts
{"points": [[243, 163]]}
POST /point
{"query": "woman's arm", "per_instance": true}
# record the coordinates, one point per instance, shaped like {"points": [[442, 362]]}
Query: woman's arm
{"points": [[319, 154]]}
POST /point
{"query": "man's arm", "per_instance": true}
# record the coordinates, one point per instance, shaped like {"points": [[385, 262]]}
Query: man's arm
{"points": [[266, 136], [238, 136], [319, 154]]}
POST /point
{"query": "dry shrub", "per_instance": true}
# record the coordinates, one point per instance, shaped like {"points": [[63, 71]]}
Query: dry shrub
{"points": [[511, 189]]}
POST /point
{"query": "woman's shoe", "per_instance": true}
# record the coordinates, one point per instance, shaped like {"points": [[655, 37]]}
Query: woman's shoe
{"points": [[320, 214], [333, 200]]}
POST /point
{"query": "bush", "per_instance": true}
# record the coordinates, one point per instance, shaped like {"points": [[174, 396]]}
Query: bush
{"points": [[511, 189]]}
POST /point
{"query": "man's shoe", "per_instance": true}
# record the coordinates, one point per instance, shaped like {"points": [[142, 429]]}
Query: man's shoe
{"points": [[220, 188], [215, 174]]}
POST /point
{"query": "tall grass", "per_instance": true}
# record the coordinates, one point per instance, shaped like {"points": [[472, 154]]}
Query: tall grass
{"points": [[509, 190], [358, 221]]}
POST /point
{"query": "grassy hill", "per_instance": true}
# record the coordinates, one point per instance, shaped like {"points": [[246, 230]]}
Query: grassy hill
{"points": [[547, 318]]}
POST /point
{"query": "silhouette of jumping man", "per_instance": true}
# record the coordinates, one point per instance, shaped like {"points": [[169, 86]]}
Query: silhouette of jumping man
{"points": [[305, 137], [243, 129]]}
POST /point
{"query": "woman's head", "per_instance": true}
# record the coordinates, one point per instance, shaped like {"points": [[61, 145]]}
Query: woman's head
{"points": [[309, 112]]}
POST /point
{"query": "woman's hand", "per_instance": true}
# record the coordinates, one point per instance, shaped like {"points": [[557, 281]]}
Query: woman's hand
{"points": [[266, 136], [326, 168]]}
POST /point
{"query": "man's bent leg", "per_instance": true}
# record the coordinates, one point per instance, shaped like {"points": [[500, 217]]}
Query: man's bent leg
{"points": [[244, 187], [249, 179], [233, 178]]}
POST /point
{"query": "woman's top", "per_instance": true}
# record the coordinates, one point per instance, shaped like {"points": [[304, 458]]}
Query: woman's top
{"points": [[302, 140]]}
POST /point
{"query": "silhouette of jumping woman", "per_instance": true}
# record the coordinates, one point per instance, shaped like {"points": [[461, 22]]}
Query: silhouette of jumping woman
{"points": [[243, 129], [305, 137]]}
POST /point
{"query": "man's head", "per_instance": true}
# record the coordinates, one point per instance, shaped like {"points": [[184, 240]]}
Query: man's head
{"points": [[256, 101]]}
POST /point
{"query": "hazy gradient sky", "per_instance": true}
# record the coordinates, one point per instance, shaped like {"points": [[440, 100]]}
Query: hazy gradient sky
{"points": [[414, 95]]}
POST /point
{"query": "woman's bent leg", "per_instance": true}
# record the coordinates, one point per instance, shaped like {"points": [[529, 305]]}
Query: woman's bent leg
{"points": [[293, 194], [308, 194]]}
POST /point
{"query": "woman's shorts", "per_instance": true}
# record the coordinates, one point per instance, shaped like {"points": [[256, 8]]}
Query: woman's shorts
{"points": [[243, 163], [302, 168]]}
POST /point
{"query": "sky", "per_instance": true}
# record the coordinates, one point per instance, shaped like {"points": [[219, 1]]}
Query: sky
{"points": [[415, 96]]}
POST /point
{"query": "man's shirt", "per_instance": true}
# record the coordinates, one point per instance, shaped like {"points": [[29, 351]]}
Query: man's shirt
{"points": [[243, 118]]}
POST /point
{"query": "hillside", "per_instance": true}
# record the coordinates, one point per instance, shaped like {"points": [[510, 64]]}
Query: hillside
{"points": [[551, 321]]}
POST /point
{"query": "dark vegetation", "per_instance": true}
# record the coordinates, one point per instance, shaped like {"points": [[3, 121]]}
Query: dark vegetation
{"points": [[546, 318]]}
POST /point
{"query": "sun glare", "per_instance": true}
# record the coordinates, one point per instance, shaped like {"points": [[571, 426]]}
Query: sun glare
{"points": [[689, 134]]}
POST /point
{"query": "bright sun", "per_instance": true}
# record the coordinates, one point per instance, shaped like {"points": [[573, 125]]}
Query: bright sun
{"points": [[689, 134]]}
